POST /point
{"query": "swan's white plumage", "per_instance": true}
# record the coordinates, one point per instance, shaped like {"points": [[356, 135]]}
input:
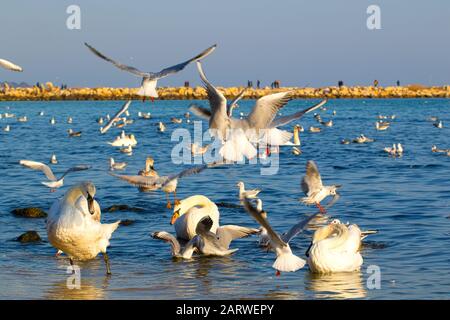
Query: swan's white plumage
{"points": [[72, 229]]}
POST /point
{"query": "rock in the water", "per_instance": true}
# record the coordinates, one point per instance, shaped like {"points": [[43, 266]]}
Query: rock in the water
{"points": [[126, 222], [29, 212], [123, 207], [29, 236]]}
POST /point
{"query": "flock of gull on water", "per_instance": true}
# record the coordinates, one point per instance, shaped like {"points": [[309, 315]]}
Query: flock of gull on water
{"points": [[74, 222]]}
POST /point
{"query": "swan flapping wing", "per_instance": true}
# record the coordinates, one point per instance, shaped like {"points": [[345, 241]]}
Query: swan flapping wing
{"points": [[116, 117], [311, 182], [176, 68], [39, 166], [281, 121], [266, 109], [118, 64], [274, 237]]}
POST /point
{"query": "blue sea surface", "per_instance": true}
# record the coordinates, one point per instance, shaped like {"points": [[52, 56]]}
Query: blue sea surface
{"points": [[406, 199]]}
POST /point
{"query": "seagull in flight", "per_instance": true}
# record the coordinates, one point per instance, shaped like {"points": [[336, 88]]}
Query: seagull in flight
{"points": [[314, 190], [149, 79], [53, 182]]}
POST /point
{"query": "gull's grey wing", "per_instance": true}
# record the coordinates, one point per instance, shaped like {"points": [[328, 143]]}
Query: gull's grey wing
{"points": [[264, 223], [334, 200], [176, 68], [299, 227], [234, 102], [266, 109], [39, 166], [281, 121], [74, 169], [228, 233], [116, 116], [217, 101], [139, 181], [190, 171], [312, 181], [200, 111], [118, 64], [167, 237]]}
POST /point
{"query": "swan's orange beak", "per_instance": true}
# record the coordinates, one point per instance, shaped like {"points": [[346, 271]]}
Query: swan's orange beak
{"points": [[175, 216]]}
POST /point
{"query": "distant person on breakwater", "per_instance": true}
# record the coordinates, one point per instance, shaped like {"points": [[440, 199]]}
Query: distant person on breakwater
{"points": [[375, 83], [398, 83], [258, 84], [340, 83], [249, 84], [186, 84]]}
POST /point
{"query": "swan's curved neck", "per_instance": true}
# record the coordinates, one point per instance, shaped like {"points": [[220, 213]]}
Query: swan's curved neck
{"points": [[341, 236], [296, 136], [195, 201], [73, 194]]}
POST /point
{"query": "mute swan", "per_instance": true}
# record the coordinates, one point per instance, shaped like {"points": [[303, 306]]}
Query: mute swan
{"points": [[314, 190], [335, 248], [246, 193], [72, 228], [149, 79], [205, 241], [286, 261], [188, 213], [53, 181]]}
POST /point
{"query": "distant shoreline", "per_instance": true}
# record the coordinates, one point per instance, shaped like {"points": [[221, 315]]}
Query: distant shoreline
{"points": [[48, 92]]}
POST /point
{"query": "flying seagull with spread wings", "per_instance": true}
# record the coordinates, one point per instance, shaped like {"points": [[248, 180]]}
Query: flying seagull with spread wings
{"points": [[149, 79], [314, 190], [260, 126], [53, 182]]}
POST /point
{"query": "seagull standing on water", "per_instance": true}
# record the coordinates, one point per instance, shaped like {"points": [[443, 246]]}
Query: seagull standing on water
{"points": [[314, 190], [53, 182], [149, 79]]}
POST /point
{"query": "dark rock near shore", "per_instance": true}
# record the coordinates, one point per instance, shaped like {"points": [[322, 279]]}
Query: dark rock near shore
{"points": [[126, 222], [29, 212], [122, 207], [29, 236]]}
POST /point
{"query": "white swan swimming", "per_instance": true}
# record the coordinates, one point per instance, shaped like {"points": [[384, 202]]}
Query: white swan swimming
{"points": [[335, 248], [188, 213], [72, 226]]}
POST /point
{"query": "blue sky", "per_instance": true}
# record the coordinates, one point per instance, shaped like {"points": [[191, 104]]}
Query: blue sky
{"points": [[299, 42]]}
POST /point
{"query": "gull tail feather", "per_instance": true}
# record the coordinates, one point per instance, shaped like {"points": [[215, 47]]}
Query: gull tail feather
{"points": [[288, 262]]}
